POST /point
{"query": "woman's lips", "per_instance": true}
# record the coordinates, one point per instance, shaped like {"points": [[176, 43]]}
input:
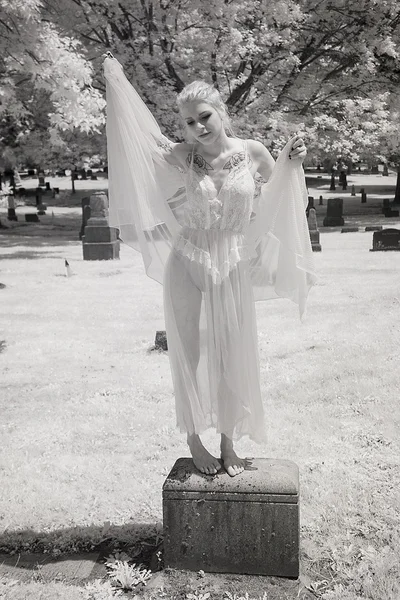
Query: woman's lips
{"points": [[204, 134]]}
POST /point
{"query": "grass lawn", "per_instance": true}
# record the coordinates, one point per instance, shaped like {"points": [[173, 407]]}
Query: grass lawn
{"points": [[88, 424]]}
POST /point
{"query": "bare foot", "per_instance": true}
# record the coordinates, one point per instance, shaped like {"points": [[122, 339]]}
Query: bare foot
{"points": [[232, 463], [203, 461]]}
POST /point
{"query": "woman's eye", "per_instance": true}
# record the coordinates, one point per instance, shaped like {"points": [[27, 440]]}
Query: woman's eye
{"points": [[205, 117], [189, 122]]}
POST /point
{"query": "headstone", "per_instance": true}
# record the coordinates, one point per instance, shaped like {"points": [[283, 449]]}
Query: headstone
{"points": [[31, 172], [392, 213], [93, 177], [100, 242], [42, 182], [161, 341], [363, 197], [321, 201], [375, 170], [334, 213], [31, 218], [387, 209], [373, 228], [85, 203], [344, 181], [244, 525], [349, 229], [48, 186], [353, 190], [313, 230], [310, 204], [332, 186], [11, 214], [385, 172], [386, 239]]}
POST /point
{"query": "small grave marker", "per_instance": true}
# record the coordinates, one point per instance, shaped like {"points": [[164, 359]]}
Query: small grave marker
{"points": [[386, 239], [349, 229]]}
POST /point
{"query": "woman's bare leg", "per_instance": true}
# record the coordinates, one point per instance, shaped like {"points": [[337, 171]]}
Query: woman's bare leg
{"points": [[182, 303]]}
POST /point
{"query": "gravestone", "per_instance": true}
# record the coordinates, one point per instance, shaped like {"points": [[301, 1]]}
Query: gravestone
{"points": [[332, 186], [42, 182], [334, 213], [373, 228], [353, 190], [85, 203], [310, 205], [387, 209], [100, 241], [349, 229], [161, 341], [385, 172], [11, 214], [245, 525], [321, 201], [313, 230], [386, 239], [31, 218], [375, 170], [363, 195]]}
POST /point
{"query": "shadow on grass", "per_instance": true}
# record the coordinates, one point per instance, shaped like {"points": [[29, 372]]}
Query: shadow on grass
{"points": [[32, 255], [37, 241], [28, 548]]}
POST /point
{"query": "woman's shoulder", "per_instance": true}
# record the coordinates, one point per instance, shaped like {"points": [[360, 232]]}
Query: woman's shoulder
{"points": [[256, 148]]}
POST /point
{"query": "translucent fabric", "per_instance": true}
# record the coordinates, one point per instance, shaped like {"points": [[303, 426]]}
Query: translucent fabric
{"points": [[215, 251]]}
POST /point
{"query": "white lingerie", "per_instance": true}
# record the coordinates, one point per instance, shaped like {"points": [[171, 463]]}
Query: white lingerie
{"points": [[215, 252]]}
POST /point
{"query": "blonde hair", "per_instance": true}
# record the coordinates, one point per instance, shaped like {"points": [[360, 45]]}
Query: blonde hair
{"points": [[201, 90]]}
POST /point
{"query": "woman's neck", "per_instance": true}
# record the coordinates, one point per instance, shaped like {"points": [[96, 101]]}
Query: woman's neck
{"points": [[221, 145]]}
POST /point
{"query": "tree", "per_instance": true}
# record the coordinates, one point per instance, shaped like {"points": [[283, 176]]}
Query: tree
{"points": [[276, 64], [45, 81]]}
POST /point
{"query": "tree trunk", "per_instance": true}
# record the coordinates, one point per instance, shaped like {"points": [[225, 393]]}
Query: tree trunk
{"points": [[397, 192]]}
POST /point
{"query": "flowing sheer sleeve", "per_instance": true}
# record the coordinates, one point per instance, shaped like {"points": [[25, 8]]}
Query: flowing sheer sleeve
{"points": [[146, 193], [281, 263]]}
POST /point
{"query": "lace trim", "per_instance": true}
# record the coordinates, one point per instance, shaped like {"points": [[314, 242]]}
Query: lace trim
{"points": [[203, 257]]}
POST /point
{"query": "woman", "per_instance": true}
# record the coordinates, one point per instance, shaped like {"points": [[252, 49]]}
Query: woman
{"points": [[215, 244]]}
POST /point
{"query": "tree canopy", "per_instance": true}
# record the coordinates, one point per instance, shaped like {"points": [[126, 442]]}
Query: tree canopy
{"points": [[330, 68]]}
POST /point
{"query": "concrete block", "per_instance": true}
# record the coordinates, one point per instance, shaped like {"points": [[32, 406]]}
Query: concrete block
{"points": [[248, 524], [100, 250], [99, 233]]}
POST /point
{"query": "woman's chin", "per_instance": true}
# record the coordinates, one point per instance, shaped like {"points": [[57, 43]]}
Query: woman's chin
{"points": [[205, 138]]}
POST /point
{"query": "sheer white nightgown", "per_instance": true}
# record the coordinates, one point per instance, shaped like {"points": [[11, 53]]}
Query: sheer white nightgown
{"points": [[214, 251]]}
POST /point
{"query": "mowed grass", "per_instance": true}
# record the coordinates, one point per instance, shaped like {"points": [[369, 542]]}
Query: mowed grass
{"points": [[88, 424]]}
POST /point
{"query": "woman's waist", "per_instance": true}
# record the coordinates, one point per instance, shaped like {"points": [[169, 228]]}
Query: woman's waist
{"points": [[210, 234]]}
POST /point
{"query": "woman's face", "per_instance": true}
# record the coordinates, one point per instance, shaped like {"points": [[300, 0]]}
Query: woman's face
{"points": [[203, 122]]}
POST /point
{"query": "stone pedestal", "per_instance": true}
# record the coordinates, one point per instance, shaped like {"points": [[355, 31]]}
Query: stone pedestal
{"points": [[313, 230], [247, 524], [100, 241]]}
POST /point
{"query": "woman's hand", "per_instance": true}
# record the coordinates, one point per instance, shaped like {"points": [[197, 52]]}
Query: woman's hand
{"points": [[298, 150]]}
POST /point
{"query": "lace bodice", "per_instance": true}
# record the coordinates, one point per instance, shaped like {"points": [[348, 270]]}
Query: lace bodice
{"points": [[229, 208]]}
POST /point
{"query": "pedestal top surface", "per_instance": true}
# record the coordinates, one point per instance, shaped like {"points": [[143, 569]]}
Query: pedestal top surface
{"points": [[266, 476]]}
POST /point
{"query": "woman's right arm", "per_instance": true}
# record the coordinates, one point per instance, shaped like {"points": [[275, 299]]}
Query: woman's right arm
{"points": [[176, 154]]}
